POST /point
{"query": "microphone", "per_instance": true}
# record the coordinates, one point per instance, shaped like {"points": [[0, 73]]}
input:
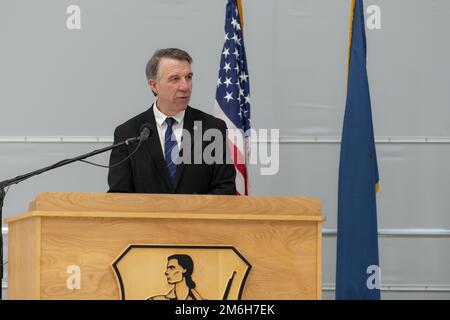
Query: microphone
{"points": [[146, 131]]}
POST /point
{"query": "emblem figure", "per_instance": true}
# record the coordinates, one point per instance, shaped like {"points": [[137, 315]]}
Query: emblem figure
{"points": [[179, 274]]}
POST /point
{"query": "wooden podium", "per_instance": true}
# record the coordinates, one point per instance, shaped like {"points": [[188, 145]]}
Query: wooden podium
{"points": [[280, 238]]}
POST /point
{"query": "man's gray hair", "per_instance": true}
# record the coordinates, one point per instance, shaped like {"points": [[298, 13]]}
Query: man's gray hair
{"points": [[151, 71]]}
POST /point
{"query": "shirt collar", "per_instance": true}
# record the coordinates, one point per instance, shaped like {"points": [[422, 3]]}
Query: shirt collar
{"points": [[160, 117]]}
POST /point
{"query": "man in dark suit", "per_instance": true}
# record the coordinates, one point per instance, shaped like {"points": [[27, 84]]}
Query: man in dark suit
{"points": [[154, 167]]}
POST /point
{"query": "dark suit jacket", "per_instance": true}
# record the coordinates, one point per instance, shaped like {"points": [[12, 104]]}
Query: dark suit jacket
{"points": [[146, 170]]}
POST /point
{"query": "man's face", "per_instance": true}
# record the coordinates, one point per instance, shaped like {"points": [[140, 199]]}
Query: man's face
{"points": [[174, 271], [173, 85]]}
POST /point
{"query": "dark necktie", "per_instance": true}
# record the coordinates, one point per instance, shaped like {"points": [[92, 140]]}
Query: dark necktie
{"points": [[169, 145]]}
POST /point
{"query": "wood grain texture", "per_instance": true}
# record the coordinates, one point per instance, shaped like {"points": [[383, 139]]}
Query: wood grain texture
{"points": [[319, 260], [24, 259], [283, 254], [279, 236], [116, 202], [167, 216], [174, 206]]}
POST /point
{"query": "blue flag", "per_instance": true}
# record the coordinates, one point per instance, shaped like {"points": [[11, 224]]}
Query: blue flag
{"points": [[357, 266]]}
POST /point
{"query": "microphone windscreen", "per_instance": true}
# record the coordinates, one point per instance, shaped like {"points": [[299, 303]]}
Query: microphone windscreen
{"points": [[145, 131]]}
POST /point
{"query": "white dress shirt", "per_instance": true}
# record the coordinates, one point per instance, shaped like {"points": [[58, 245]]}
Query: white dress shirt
{"points": [[161, 125]]}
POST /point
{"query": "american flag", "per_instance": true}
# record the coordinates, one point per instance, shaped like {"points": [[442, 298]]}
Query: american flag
{"points": [[233, 93]]}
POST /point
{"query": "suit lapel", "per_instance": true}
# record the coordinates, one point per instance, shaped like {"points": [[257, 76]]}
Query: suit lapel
{"points": [[188, 126], [153, 147]]}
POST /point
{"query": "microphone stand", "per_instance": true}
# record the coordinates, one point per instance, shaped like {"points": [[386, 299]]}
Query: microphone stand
{"points": [[18, 179]]}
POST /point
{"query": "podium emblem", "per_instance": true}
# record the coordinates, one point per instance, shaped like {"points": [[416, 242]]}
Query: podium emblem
{"points": [[177, 272]]}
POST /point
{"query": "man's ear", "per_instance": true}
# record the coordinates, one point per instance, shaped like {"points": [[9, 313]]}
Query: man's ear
{"points": [[152, 85]]}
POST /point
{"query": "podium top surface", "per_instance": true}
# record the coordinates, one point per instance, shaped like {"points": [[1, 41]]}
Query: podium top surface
{"points": [[172, 206]]}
